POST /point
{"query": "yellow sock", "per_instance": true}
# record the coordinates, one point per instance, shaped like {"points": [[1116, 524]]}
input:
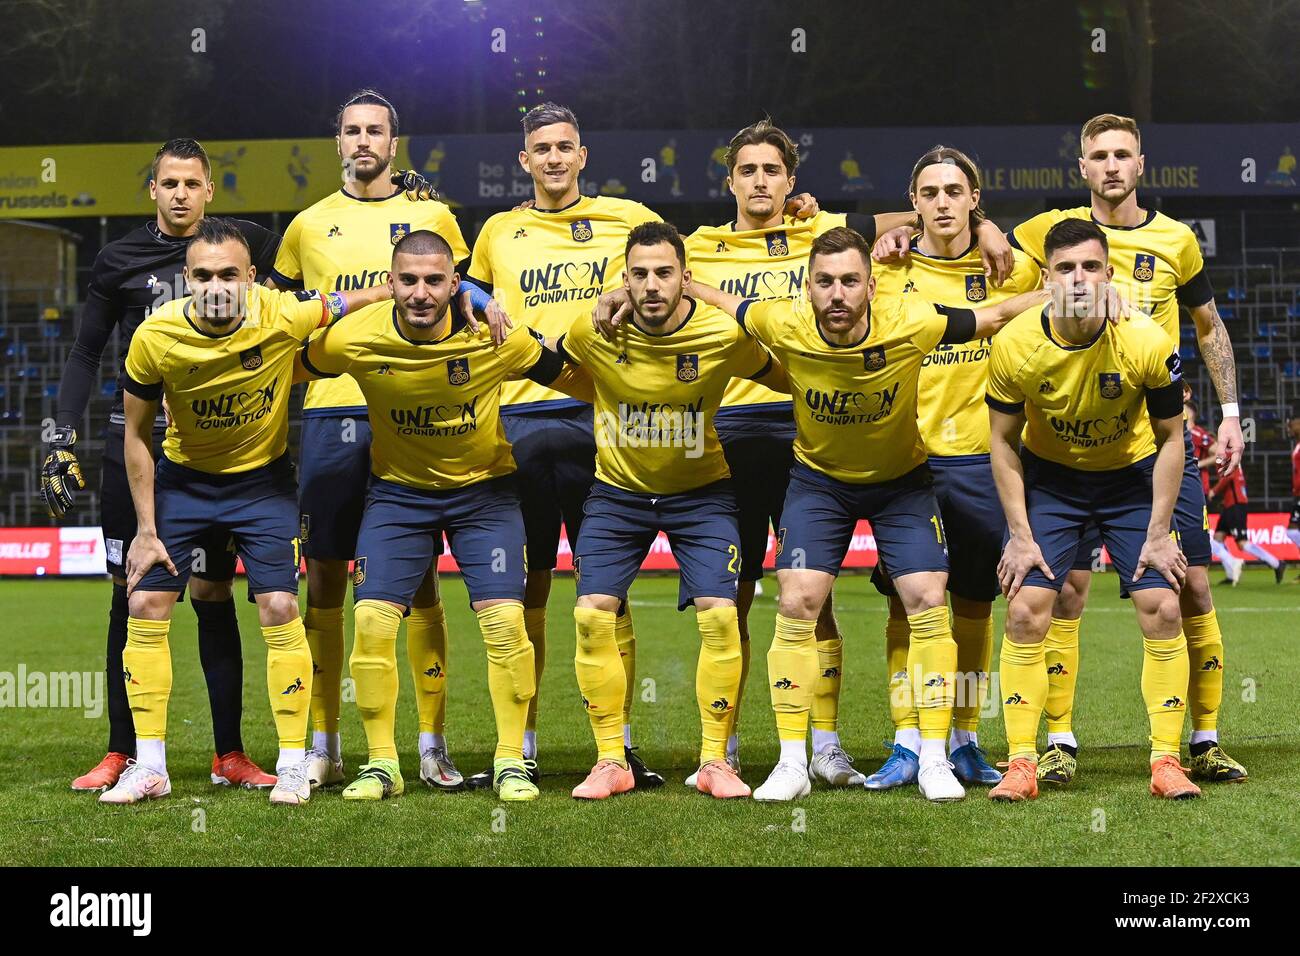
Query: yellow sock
{"points": [[601, 680], [1164, 687], [426, 649], [374, 669], [535, 628], [974, 637], [288, 680], [147, 670], [324, 628], [826, 688], [625, 637], [931, 662], [902, 707], [717, 679], [792, 675], [512, 679], [1061, 650], [1205, 666], [1024, 688], [744, 677]]}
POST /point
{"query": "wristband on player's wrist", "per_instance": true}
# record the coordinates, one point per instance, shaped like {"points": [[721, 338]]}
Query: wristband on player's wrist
{"points": [[65, 436], [1230, 410]]}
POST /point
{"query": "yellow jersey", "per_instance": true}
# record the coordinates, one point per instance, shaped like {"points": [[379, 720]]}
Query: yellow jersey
{"points": [[951, 411], [434, 406], [657, 396], [1158, 263], [548, 267], [855, 405], [343, 243], [228, 394], [759, 264], [1086, 406]]}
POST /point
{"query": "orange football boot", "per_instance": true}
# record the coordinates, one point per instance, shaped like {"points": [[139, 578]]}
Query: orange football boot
{"points": [[104, 775], [719, 779], [607, 779], [1169, 780], [1020, 782], [235, 769]]}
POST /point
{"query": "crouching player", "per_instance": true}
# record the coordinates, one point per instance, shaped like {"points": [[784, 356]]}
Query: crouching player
{"points": [[222, 359], [440, 463], [1087, 388]]}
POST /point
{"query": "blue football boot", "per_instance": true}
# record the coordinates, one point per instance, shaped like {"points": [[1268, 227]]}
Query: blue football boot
{"points": [[899, 770], [970, 767]]}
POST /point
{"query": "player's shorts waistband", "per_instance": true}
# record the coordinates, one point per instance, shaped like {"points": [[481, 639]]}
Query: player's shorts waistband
{"points": [[720, 487], [1055, 471], [916, 478], [766, 412], [340, 411], [274, 469], [957, 461], [497, 482], [552, 408]]}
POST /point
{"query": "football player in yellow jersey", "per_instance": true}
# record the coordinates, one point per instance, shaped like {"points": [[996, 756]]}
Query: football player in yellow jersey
{"points": [[345, 241], [223, 360], [440, 463], [853, 373], [1158, 268], [763, 254], [944, 266], [1080, 390], [660, 467]]}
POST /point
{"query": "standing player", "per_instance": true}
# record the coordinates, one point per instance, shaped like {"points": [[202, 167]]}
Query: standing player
{"points": [[858, 454], [222, 359], [439, 462], [660, 467], [131, 276], [1231, 491], [1205, 451], [1293, 528], [343, 242], [1084, 385], [944, 266]]}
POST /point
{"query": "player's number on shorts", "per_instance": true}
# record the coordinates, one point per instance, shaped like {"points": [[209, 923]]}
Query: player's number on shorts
{"points": [[297, 554], [733, 566], [938, 530]]}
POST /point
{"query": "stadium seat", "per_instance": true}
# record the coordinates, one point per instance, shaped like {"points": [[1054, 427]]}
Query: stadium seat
{"points": [[1264, 352]]}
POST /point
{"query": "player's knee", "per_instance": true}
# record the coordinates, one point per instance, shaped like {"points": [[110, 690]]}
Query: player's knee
{"points": [[277, 607], [1195, 597], [799, 603], [1026, 623], [1069, 602], [202, 590], [327, 583], [150, 605]]}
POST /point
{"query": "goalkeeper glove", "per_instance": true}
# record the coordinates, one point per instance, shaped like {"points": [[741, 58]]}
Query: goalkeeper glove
{"points": [[415, 185], [60, 466]]}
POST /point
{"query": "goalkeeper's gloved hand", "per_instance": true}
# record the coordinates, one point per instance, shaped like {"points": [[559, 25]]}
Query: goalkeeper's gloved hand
{"points": [[415, 185], [60, 470]]}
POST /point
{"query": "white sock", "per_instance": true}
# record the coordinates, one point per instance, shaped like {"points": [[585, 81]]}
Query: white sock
{"points": [[530, 745], [824, 738], [1250, 547], [151, 754], [330, 743], [960, 738], [1066, 738], [627, 735], [933, 751], [733, 745], [1294, 535], [909, 738], [1201, 736], [1220, 551], [430, 740], [289, 757], [795, 751]]}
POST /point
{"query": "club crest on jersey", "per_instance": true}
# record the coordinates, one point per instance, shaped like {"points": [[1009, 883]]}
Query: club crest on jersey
{"points": [[777, 245], [976, 289], [359, 572], [304, 528], [1144, 267], [873, 360], [688, 367], [458, 371], [1110, 384], [251, 358], [397, 231], [581, 229]]}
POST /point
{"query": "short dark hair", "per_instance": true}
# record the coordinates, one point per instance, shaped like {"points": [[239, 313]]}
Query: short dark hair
{"points": [[214, 230], [1073, 232], [840, 239], [424, 242], [548, 114], [764, 133], [652, 234], [182, 148], [368, 97]]}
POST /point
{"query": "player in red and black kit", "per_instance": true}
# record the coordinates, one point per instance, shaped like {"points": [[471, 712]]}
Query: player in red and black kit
{"points": [[1293, 529], [1205, 448], [133, 275], [1231, 491]]}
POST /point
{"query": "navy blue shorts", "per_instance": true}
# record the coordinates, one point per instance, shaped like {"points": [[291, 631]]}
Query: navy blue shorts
{"points": [[332, 492], [621, 526], [555, 451], [402, 529], [1062, 502], [821, 512], [1191, 521], [256, 510], [973, 523], [759, 444], [117, 513]]}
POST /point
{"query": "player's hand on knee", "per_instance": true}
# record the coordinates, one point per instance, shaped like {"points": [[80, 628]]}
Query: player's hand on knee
{"points": [[414, 185], [1019, 557], [146, 550], [61, 476], [1162, 555], [802, 206], [893, 246], [612, 310]]}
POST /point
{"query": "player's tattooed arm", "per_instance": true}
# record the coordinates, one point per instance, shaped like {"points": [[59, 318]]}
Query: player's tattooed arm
{"points": [[1021, 553], [1160, 551], [1216, 352], [146, 548]]}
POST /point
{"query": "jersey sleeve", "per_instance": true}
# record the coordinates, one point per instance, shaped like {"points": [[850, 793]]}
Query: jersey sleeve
{"points": [[575, 345], [936, 323], [1004, 393], [100, 314], [143, 368], [449, 229], [640, 214], [1028, 237], [1026, 276], [263, 247], [288, 260], [300, 312], [826, 221], [1194, 286], [762, 319], [328, 354], [480, 263], [1162, 376], [520, 351]]}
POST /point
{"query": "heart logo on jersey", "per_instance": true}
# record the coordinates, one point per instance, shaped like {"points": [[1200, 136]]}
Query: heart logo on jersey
{"points": [[578, 274], [776, 284]]}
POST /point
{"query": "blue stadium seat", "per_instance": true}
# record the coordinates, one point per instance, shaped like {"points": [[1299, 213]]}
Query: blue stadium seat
{"points": [[1293, 311], [1187, 353], [1262, 351], [1267, 330], [1236, 294], [108, 389], [51, 330], [1227, 313], [52, 390], [1291, 369]]}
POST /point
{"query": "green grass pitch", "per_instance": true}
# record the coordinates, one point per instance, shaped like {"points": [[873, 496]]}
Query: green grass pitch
{"points": [[1107, 818]]}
